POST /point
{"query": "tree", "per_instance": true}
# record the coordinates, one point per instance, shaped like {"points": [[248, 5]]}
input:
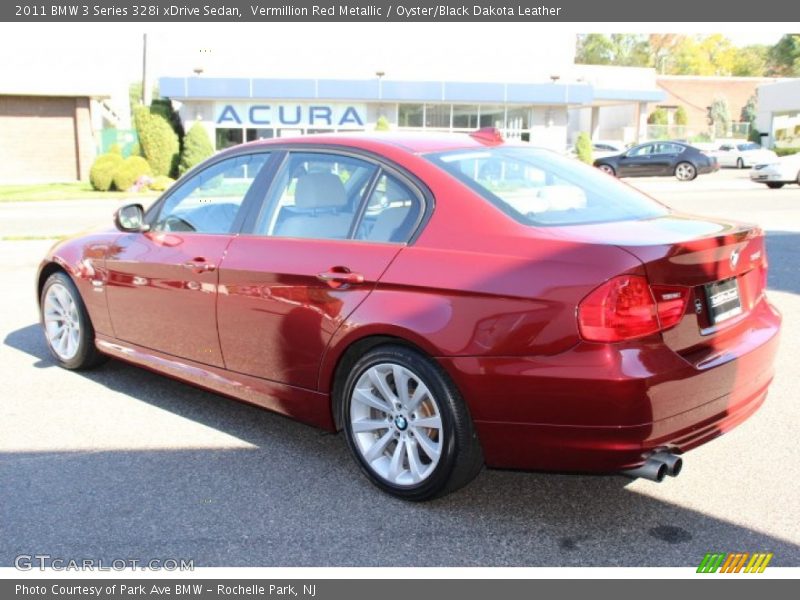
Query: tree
{"points": [[681, 118], [583, 147], [658, 117], [749, 110], [620, 49], [720, 116], [783, 59], [196, 148], [158, 141], [750, 61]]}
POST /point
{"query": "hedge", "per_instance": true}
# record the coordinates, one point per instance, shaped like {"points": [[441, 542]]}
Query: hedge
{"points": [[786, 151], [158, 141], [131, 169], [101, 175], [196, 148], [583, 148]]}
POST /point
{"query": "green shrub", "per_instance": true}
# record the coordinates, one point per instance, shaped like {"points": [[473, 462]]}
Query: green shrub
{"points": [[786, 151], [583, 147], [131, 169], [159, 143], [136, 149], [754, 135], [681, 118], [658, 117], [196, 148], [161, 183], [101, 175], [115, 149], [382, 124]]}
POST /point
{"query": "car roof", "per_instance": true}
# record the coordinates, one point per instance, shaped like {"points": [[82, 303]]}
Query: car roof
{"points": [[415, 143]]}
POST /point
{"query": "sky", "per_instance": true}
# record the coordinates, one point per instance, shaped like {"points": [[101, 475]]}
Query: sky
{"points": [[102, 58]]}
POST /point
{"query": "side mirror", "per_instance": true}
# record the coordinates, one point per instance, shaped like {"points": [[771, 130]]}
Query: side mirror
{"points": [[130, 218]]}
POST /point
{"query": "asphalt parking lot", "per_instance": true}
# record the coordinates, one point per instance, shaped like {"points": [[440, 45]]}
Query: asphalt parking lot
{"points": [[122, 463]]}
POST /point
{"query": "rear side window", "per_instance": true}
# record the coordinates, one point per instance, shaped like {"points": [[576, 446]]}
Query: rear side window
{"points": [[539, 187], [315, 196], [392, 212]]}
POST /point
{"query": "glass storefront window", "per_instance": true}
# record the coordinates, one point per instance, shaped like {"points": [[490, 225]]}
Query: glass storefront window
{"points": [[437, 116], [409, 115], [228, 137], [260, 134], [465, 116], [492, 116], [518, 118]]}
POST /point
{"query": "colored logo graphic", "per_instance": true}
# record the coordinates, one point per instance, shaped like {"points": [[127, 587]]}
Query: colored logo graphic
{"points": [[734, 562]]}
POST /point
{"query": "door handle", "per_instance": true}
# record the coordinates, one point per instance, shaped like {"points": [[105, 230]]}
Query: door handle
{"points": [[199, 265], [339, 276]]}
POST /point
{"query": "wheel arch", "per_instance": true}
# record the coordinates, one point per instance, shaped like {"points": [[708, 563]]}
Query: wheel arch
{"points": [[347, 352], [45, 272]]}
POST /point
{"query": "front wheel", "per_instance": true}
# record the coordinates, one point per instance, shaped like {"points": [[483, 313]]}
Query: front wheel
{"points": [[407, 425], [774, 185], [739, 163], [67, 328], [685, 171]]}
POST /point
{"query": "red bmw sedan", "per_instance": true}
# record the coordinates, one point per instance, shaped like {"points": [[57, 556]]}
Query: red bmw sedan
{"points": [[447, 301]]}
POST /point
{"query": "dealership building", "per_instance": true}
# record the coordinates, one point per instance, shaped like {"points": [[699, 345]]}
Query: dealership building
{"points": [[550, 113]]}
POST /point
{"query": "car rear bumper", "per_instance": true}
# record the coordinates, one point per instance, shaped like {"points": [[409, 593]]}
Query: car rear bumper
{"points": [[605, 407]]}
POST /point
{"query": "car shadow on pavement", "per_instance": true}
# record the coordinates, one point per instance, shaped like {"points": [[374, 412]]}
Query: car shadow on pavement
{"points": [[783, 253], [297, 499]]}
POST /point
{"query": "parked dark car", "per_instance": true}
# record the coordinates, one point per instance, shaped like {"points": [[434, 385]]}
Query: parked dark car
{"points": [[659, 158]]}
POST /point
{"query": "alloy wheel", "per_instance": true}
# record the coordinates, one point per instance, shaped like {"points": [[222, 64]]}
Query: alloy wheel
{"points": [[62, 322], [396, 424], [685, 172]]}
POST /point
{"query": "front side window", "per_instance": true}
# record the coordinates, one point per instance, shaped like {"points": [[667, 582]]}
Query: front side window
{"points": [[209, 201], [667, 148], [641, 150], [539, 187], [315, 196]]}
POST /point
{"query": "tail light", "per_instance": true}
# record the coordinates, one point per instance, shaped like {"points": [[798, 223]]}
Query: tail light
{"points": [[627, 307]]}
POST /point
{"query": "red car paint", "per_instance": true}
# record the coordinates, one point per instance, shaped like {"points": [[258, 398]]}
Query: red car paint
{"points": [[492, 300]]}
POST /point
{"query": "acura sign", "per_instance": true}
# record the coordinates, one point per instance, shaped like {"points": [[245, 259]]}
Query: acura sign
{"points": [[340, 116]]}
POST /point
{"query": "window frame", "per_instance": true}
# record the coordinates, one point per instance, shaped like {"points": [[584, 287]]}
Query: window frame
{"points": [[282, 154]]}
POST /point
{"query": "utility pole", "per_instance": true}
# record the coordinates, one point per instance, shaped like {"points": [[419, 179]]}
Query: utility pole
{"points": [[147, 95]]}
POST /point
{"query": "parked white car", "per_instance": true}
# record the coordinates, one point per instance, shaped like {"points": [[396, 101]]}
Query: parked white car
{"points": [[777, 173], [743, 154]]}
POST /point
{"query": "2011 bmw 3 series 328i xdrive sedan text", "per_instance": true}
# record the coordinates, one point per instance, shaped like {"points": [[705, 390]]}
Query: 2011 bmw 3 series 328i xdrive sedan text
{"points": [[447, 301]]}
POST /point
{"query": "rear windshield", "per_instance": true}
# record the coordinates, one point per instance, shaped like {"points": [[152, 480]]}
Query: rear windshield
{"points": [[539, 187]]}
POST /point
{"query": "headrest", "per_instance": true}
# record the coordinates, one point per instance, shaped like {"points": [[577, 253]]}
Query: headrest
{"points": [[319, 190]]}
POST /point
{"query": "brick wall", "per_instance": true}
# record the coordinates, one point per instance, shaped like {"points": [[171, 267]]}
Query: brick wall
{"points": [[696, 93], [45, 139]]}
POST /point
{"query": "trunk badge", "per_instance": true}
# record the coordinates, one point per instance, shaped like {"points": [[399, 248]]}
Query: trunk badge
{"points": [[698, 306], [735, 258]]}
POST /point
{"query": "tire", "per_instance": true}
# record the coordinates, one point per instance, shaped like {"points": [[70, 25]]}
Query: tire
{"points": [[774, 185], [67, 328], [608, 169], [398, 456], [685, 171], [739, 163]]}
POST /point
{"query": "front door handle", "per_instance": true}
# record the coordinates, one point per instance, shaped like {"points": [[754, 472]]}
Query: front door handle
{"points": [[339, 276], [199, 265]]}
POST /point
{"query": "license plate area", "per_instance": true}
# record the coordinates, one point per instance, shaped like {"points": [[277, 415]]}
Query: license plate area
{"points": [[723, 300]]}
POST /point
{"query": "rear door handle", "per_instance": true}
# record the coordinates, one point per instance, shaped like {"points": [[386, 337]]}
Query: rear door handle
{"points": [[199, 265], [339, 276]]}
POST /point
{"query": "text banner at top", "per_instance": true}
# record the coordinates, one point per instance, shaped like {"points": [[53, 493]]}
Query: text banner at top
{"points": [[530, 11]]}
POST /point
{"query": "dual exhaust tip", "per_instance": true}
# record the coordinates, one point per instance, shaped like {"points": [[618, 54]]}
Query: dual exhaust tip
{"points": [[657, 466]]}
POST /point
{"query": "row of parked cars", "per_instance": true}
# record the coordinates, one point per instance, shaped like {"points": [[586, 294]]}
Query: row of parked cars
{"points": [[686, 162]]}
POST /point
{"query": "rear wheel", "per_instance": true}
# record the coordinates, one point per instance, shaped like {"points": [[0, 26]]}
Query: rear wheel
{"points": [[407, 425], [67, 328], [685, 171], [774, 185], [607, 169]]}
